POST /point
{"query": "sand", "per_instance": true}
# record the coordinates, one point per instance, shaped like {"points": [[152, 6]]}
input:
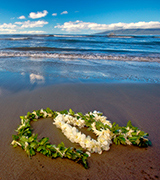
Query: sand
{"points": [[139, 103]]}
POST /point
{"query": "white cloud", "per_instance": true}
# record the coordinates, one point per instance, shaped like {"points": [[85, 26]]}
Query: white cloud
{"points": [[21, 17], [64, 12], [17, 26], [54, 14], [31, 24], [78, 26], [38, 14], [7, 28], [5, 25], [31, 32], [14, 31], [18, 23], [8, 31]]}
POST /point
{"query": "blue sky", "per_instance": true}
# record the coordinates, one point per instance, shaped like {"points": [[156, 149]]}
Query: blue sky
{"points": [[85, 16]]}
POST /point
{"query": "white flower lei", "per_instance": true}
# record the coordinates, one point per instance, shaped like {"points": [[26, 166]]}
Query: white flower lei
{"points": [[104, 139]]}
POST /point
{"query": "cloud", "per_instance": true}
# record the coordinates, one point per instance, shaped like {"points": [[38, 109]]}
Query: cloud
{"points": [[54, 14], [64, 12], [31, 32], [78, 26], [31, 24], [7, 28], [21, 17], [5, 25], [17, 26], [14, 31], [38, 14]]}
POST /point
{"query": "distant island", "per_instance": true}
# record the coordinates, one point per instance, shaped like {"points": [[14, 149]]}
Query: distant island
{"points": [[152, 31]]}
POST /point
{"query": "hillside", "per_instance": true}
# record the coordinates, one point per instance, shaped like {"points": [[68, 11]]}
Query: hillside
{"points": [[155, 31]]}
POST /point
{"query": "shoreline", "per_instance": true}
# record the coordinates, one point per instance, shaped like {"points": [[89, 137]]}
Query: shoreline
{"points": [[120, 102]]}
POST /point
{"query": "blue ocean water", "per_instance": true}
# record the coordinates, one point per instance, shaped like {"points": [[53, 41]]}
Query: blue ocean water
{"points": [[41, 59]]}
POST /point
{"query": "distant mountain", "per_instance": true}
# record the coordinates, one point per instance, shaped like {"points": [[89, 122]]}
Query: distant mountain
{"points": [[155, 31]]}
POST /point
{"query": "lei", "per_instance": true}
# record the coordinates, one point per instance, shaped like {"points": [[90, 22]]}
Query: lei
{"points": [[67, 121]]}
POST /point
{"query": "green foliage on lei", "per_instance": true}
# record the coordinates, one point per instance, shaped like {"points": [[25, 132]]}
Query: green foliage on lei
{"points": [[29, 142]]}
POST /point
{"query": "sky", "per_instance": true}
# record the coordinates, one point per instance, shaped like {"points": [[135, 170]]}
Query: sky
{"points": [[76, 17]]}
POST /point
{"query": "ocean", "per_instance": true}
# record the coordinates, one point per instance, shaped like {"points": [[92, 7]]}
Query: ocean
{"points": [[47, 59]]}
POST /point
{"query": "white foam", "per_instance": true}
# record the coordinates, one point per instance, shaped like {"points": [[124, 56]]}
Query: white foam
{"points": [[80, 56], [66, 36], [22, 38]]}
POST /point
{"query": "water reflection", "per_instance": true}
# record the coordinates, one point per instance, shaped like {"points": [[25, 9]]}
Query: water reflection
{"points": [[36, 78]]}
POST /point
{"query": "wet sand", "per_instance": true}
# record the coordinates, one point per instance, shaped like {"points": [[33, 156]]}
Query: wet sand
{"points": [[139, 103]]}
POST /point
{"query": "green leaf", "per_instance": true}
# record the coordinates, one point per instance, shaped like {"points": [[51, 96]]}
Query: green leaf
{"points": [[54, 155], [48, 110], [32, 152], [15, 137], [15, 145], [80, 114], [149, 143], [71, 112], [129, 124], [40, 148], [33, 145], [64, 112], [24, 139], [30, 139], [44, 141]]}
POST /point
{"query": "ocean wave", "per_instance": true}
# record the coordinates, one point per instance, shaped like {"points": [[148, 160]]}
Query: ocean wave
{"points": [[67, 35], [43, 35], [107, 36], [81, 56], [89, 50], [14, 39], [116, 36], [64, 35], [106, 42], [76, 40]]}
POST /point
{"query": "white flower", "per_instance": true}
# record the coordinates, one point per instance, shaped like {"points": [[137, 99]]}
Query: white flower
{"points": [[41, 111], [128, 142], [138, 132], [21, 126], [36, 117], [129, 133], [15, 142], [44, 113], [88, 153], [49, 115], [128, 128], [64, 122], [26, 144], [97, 112]]}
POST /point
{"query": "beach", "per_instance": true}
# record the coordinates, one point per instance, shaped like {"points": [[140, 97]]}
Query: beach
{"points": [[117, 76], [79, 90], [120, 102]]}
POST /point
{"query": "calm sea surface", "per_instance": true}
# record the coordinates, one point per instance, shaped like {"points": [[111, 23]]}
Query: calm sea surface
{"points": [[41, 59]]}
